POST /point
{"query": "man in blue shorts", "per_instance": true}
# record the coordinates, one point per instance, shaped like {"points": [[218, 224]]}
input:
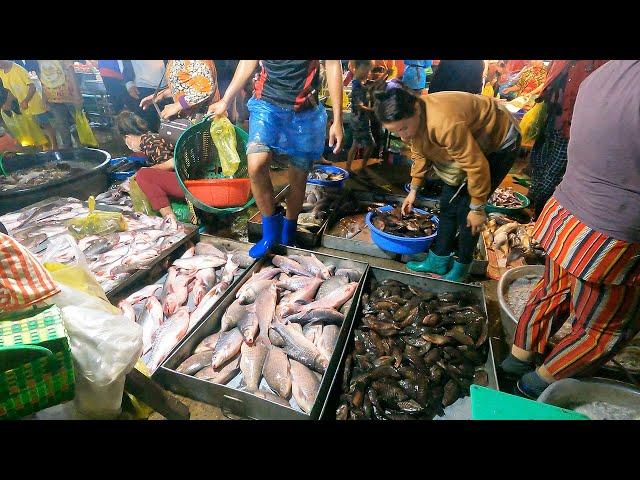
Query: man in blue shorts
{"points": [[287, 120]]}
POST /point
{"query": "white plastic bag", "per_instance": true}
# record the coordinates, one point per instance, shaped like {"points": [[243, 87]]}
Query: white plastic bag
{"points": [[105, 345]]}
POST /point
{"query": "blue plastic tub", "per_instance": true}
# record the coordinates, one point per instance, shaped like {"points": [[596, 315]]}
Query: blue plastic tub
{"points": [[401, 245], [329, 169], [120, 176]]}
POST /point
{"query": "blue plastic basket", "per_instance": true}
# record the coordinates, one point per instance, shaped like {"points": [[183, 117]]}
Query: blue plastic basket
{"points": [[330, 169], [401, 245], [120, 176]]}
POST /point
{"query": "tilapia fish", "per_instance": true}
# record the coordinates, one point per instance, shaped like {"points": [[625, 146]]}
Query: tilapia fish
{"points": [[290, 266], [195, 363], [252, 359], [168, 336], [330, 285], [305, 386], [222, 374], [298, 347], [209, 343], [228, 345], [277, 372]]}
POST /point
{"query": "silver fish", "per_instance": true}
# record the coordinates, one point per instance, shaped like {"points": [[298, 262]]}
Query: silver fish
{"points": [[334, 300], [251, 362], [294, 283], [208, 343], [271, 397], [330, 285], [168, 336], [199, 262], [128, 311], [277, 372], [150, 321], [328, 340], [312, 265], [242, 259], [305, 386], [207, 302], [203, 248], [248, 325], [290, 266], [266, 273], [265, 306], [352, 274], [232, 315], [299, 348], [249, 292], [312, 331], [143, 294], [195, 363], [227, 347], [326, 315], [222, 374]]}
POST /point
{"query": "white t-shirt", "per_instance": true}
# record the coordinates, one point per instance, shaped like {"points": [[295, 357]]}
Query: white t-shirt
{"points": [[148, 73]]}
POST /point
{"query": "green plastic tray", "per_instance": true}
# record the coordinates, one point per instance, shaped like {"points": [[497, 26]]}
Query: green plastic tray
{"points": [[490, 208], [488, 404]]}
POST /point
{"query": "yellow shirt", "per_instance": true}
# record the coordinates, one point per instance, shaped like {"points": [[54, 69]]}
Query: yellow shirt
{"points": [[17, 81]]}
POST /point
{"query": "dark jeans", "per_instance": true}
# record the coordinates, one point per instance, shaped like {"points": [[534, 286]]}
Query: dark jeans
{"points": [[453, 213], [117, 93], [150, 115]]}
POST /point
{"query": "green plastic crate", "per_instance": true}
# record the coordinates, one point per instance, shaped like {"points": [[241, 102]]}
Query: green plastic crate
{"points": [[488, 404]]}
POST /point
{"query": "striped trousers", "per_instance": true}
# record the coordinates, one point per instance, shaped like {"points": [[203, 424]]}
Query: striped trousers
{"points": [[604, 318]]}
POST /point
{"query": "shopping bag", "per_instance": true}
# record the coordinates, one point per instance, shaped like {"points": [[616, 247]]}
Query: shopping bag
{"points": [[33, 133], [533, 122], [85, 134], [224, 138], [12, 126]]}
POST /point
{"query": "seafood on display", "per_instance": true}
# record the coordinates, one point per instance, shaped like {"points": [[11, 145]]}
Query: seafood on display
{"points": [[415, 352], [505, 198], [320, 174], [280, 332], [412, 225], [34, 176], [168, 310], [512, 241], [111, 257]]}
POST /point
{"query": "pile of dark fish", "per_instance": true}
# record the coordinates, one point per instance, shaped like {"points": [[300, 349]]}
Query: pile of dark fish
{"points": [[415, 352], [320, 174], [32, 177], [412, 225], [352, 215], [167, 311], [505, 198], [280, 332]]}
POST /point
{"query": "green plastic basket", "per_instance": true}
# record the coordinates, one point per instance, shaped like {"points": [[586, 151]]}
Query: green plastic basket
{"points": [[36, 367], [196, 157], [488, 404], [490, 208]]}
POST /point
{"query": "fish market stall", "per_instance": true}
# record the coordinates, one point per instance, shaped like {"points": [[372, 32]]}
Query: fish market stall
{"points": [[115, 256], [172, 306], [33, 177], [416, 346], [226, 360]]}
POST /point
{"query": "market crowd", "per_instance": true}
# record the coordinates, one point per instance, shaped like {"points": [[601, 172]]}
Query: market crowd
{"points": [[451, 114]]}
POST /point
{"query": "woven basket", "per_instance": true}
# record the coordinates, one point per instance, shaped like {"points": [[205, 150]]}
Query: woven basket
{"points": [[196, 158], [36, 367]]}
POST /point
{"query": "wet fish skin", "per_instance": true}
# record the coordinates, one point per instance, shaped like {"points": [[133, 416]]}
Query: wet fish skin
{"points": [[221, 375], [249, 292], [128, 311], [168, 336], [228, 345], [290, 266], [334, 300], [143, 294], [266, 273], [326, 315], [353, 274], [249, 326], [294, 283], [277, 372], [208, 343], [207, 276], [292, 303], [312, 331], [305, 386], [211, 297], [199, 291], [330, 285], [150, 320], [195, 363], [299, 348], [203, 248], [242, 259], [252, 358], [265, 306], [312, 265], [199, 262], [271, 397], [232, 316], [176, 299], [328, 340]]}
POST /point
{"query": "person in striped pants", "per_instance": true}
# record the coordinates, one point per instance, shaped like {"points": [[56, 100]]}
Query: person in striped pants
{"points": [[590, 230]]}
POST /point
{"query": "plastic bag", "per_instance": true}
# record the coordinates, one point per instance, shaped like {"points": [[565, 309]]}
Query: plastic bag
{"points": [[24, 129], [85, 134], [67, 265], [96, 222], [533, 122], [139, 199], [487, 90], [224, 138]]}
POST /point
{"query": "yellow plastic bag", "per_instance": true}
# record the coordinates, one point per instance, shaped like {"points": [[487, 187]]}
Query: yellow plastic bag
{"points": [[85, 134], [140, 201], [25, 129], [224, 138], [488, 90], [96, 222], [533, 122]]}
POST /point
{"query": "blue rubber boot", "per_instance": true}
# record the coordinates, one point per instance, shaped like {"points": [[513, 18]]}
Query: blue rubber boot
{"points": [[289, 231], [432, 264], [271, 235], [458, 272]]}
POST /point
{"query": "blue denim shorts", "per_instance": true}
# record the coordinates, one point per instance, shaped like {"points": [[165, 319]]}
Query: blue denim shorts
{"points": [[298, 137]]}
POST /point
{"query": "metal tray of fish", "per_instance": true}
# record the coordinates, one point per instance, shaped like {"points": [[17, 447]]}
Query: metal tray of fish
{"points": [[159, 277], [241, 403], [390, 199], [303, 239], [432, 285]]}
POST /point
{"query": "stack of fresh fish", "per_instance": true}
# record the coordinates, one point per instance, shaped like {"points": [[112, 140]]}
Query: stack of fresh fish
{"points": [[111, 258], [352, 215], [116, 196], [505, 198], [320, 174], [169, 309], [512, 240], [32, 177], [280, 332], [412, 225], [415, 352]]}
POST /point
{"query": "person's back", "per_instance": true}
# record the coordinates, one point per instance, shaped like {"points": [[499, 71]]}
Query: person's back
{"points": [[602, 183]]}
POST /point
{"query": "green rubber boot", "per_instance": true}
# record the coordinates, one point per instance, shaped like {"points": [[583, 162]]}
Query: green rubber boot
{"points": [[432, 264], [458, 272]]}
